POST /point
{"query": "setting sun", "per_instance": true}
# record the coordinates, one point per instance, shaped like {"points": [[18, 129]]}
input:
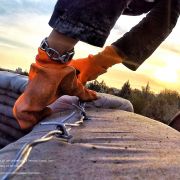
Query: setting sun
{"points": [[166, 75]]}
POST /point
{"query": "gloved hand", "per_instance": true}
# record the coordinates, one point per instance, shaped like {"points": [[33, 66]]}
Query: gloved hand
{"points": [[94, 65], [48, 80]]}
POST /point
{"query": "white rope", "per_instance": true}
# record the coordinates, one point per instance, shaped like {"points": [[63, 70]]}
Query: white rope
{"points": [[25, 151]]}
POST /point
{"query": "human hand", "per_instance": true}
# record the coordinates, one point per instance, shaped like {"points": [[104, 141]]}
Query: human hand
{"points": [[91, 67], [48, 80]]}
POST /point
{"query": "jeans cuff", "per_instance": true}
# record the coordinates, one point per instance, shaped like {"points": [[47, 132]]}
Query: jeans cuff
{"points": [[79, 31]]}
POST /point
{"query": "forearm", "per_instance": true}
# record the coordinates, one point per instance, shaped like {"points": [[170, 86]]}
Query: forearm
{"points": [[143, 39], [61, 42]]}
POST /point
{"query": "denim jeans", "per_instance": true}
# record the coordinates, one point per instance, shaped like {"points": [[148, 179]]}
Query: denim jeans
{"points": [[87, 20], [91, 21]]}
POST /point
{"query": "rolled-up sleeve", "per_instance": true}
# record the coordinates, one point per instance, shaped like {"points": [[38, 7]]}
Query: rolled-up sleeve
{"points": [[87, 20], [144, 38]]}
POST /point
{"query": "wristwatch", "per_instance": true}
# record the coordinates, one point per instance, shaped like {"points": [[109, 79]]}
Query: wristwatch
{"points": [[55, 55]]}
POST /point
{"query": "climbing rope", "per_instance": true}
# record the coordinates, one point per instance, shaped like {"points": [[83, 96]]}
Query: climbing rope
{"points": [[61, 132]]}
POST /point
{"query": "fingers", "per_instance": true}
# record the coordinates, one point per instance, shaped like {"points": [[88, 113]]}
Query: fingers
{"points": [[83, 78], [70, 85], [25, 114], [81, 69], [83, 93]]}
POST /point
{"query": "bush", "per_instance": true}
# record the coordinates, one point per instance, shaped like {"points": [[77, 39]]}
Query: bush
{"points": [[98, 86], [160, 106]]}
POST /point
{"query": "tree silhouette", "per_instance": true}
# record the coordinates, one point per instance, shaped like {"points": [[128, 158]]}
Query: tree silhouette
{"points": [[125, 90], [98, 86]]}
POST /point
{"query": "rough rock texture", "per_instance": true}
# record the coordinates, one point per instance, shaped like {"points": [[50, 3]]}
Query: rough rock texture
{"points": [[112, 145]]}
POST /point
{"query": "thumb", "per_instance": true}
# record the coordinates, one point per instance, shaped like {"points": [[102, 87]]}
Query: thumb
{"points": [[82, 78]]}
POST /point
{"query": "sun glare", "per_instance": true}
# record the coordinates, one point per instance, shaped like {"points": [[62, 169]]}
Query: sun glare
{"points": [[166, 75]]}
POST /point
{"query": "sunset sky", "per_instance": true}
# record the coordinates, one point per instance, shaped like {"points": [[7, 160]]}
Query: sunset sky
{"points": [[24, 23]]}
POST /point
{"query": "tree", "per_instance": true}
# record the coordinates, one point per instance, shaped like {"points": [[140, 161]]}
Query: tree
{"points": [[98, 86], [125, 90], [171, 96], [146, 90], [160, 109], [138, 101]]}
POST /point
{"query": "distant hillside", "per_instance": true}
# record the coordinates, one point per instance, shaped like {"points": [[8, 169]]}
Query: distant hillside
{"points": [[18, 70]]}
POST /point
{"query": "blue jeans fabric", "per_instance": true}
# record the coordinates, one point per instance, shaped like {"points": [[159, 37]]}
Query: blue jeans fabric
{"points": [[91, 21], [87, 20]]}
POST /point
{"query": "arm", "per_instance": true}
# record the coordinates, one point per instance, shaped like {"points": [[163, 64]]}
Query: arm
{"points": [[143, 39]]}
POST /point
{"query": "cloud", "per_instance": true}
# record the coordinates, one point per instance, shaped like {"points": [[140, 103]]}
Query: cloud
{"points": [[137, 80], [175, 48], [12, 43], [24, 22], [116, 78], [26, 6]]}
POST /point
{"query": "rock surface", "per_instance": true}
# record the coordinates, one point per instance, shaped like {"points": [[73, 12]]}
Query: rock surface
{"points": [[112, 145]]}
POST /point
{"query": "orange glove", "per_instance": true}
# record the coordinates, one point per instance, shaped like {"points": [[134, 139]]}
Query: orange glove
{"points": [[94, 65], [48, 80]]}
